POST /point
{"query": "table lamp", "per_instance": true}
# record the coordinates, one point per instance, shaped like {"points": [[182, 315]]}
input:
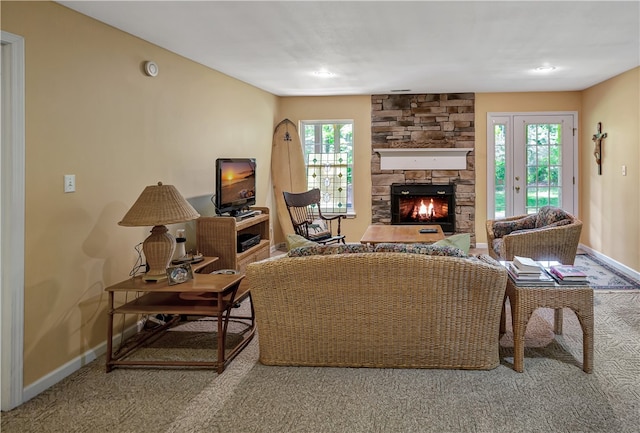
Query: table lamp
{"points": [[159, 205]]}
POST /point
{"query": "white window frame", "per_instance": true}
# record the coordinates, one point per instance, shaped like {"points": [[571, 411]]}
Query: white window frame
{"points": [[349, 209]]}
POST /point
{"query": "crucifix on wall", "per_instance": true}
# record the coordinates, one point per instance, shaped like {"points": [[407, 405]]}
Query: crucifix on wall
{"points": [[597, 139]]}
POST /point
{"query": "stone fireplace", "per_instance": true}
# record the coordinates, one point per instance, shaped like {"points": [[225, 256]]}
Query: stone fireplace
{"points": [[411, 138]]}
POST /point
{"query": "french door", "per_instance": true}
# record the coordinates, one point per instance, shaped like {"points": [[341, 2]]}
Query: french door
{"points": [[531, 162]]}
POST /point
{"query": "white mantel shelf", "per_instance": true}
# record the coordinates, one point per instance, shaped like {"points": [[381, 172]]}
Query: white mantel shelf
{"points": [[423, 158]]}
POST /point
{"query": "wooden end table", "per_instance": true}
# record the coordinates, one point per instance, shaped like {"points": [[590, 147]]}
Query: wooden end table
{"points": [[401, 233], [205, 295], [525, 299]]}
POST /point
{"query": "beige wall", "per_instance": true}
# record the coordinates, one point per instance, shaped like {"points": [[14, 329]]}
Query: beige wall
{"points": [[509, 102], [357, 108], [610, 203], [91, 111]]}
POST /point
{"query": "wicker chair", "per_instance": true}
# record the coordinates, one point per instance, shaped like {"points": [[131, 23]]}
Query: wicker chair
{"points": [[551, 234], [307, 218]]}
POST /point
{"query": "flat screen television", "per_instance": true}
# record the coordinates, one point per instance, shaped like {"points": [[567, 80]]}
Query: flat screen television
{"points": [[235, 185]]}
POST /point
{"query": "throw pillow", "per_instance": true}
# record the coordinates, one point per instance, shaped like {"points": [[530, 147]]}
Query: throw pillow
{"points": [[317, 226], [429, 250], [497, 246], [461, 241], [502, 228], [318, 230], [548, 226], [295, 241], [325, 250], [549, 215]]}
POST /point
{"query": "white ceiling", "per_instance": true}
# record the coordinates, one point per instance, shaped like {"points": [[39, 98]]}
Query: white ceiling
{"points": [[380, 46]]}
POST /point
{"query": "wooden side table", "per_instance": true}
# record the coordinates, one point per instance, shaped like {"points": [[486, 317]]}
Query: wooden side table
{"points": [[205, 295], [525, 300]]}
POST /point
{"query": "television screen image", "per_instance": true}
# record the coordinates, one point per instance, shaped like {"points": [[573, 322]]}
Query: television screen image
{"points": [[236, 184]]}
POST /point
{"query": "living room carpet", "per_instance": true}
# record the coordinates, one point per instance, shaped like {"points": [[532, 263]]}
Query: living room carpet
{"points": [[603, 277], [553, 394]]}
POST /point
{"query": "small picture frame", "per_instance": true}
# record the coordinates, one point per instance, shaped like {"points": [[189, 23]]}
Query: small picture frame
{"points": [[179, 273]]}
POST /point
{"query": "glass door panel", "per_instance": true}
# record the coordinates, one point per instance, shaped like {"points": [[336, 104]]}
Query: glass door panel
{"points": [[530, 163], [543, 163]]}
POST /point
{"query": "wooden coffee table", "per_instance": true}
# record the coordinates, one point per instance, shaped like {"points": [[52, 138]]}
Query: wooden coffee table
{"points": [[405, 234]]}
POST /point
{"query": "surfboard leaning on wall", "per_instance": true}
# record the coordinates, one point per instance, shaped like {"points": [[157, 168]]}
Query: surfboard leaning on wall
{"points": [[288, 171]]}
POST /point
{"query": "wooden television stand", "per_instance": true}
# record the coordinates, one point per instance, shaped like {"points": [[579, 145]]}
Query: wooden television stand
{"points": [[218, 236]]}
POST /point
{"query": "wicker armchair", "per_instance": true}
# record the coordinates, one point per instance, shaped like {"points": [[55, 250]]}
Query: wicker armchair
{"points": [[307, 218], [551, 234]]}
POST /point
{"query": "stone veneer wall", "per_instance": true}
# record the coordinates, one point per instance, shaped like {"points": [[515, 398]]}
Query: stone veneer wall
{"points": [[424, 121]]}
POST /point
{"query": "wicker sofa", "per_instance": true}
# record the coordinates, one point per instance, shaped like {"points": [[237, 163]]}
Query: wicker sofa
{"points": [[378, 309]]}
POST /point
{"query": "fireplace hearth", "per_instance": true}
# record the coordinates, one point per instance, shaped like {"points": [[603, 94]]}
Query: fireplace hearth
{"points": [[424, 204]]}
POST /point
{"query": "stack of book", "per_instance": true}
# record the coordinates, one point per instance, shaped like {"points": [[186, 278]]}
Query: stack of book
{"points": [[525, 271], [568, 275]]}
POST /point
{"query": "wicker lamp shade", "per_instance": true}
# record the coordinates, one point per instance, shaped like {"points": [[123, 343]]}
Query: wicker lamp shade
{"points": [[159, 205]]}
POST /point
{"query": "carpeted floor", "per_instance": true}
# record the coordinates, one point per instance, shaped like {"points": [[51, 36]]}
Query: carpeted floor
{"points": [[552, 395]]}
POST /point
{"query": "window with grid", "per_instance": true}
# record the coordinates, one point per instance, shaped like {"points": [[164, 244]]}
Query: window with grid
{"points": [[328, 153], [544, 165], [500, 148]]}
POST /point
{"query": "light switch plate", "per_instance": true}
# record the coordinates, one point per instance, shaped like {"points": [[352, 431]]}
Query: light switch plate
{"points": [[69, 183]]}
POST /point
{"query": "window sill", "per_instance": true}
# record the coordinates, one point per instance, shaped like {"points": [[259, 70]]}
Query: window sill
{"points": [[348, 215]]}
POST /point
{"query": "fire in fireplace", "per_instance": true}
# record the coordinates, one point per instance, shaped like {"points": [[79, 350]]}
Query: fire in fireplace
{"points": [[423, 204], [422, 212]]}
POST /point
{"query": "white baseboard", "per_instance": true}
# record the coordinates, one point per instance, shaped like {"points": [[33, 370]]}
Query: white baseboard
{"points": [[72, 366], [609, 261]]}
